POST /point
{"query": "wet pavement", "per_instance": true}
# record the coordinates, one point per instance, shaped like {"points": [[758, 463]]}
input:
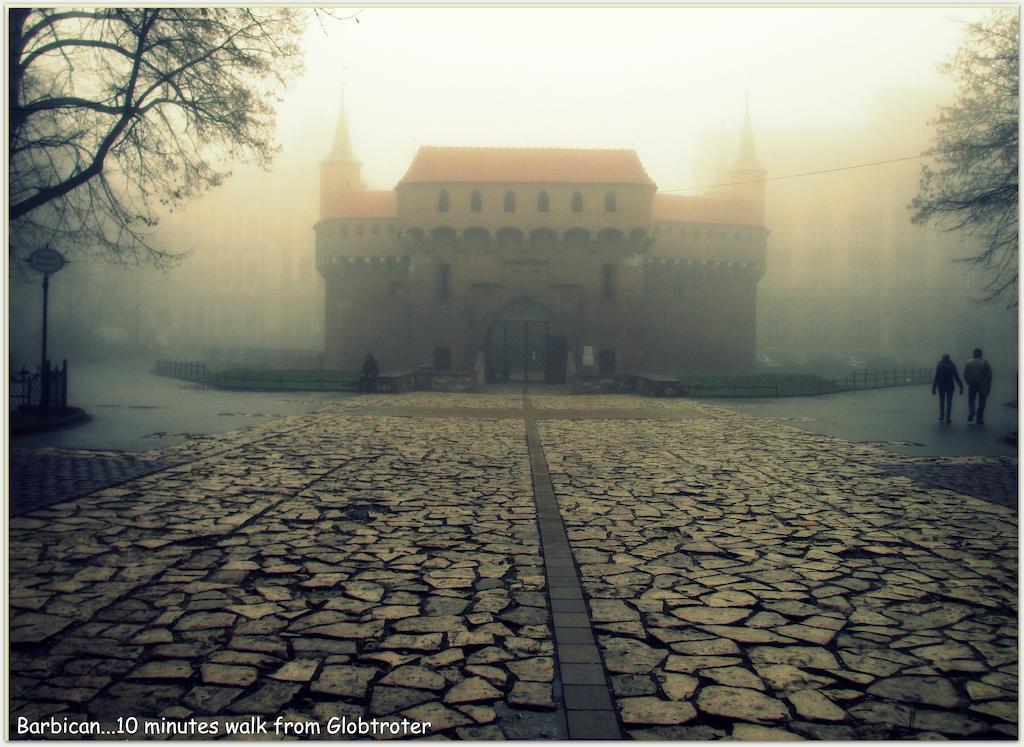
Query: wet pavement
{"points": [[901, 419], [133, 414], [132, 409], [647, 568], [42, 477]]}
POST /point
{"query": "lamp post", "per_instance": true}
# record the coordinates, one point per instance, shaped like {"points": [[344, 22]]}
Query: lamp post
{"points": [[47, 261]]}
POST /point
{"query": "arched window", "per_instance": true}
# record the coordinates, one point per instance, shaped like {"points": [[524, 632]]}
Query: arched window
{"points": [[510, 202], [542, 202], [609, 202], [476, 202], [509, 239], [577, 239], [476, 239], [442, 201], [443, 238], [577, 202]]}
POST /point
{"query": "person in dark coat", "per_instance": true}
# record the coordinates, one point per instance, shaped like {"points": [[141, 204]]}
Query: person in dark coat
{"points": [[978, 375], [945, 375], [368, 381]]}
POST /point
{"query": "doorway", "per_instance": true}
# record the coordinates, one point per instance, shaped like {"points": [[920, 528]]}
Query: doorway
{"points": [[526, 344]]}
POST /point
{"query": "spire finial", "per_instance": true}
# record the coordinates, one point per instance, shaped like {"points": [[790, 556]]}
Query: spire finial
{"points": [[341, 148], [747, 158]]}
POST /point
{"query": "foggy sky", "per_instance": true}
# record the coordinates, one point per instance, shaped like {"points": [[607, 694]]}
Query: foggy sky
{"points": [[648, 78]]}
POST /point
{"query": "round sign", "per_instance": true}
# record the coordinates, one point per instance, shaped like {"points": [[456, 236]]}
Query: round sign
{"points": [[46, 261]]}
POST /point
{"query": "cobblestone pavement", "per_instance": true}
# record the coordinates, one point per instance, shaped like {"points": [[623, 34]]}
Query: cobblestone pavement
{"points": [[743, 579], [766, 582], [41, 477]]}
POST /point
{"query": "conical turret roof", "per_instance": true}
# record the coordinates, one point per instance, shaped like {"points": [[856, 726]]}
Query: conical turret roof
{"points": [[341, 148], [747, 158]]}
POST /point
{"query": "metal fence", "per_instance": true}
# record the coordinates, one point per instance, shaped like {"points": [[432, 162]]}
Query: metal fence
{"points": [[190, 370], [853, 381], [199, 371], [44, 390]]}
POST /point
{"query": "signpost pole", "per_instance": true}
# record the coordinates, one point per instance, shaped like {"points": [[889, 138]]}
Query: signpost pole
{"points": [[44, 368], [46, 299]]}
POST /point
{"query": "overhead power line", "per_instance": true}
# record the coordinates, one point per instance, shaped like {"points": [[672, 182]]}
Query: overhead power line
{"points": [[806, 173]]}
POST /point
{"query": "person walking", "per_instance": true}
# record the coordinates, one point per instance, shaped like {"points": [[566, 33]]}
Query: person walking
{"points": [[945, 375], [978, 375], [368, 381]]}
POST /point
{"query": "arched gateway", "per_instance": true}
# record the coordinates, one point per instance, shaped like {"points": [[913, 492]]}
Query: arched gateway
{"points": [[465, 265], [526, 342]]}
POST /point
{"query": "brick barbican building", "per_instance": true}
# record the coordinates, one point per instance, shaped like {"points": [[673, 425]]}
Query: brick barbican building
{"points": [[538, 263]]}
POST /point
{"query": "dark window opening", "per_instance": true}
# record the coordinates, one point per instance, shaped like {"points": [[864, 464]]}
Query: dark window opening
{"points": [[510, 202], [610, 203], [543, 203], [577, 239], [442, 201], [607, 283], [444, 273], [577, 202], [476, 202], [606, 362], [442, 359]]}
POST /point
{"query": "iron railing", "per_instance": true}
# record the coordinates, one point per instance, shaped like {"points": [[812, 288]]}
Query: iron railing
{"points": [[853, 381], [44, 390], [199, 372]]}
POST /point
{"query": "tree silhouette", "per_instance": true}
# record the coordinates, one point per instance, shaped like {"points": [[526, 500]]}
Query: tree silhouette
{"points": [[116, 112], [973, 186]]}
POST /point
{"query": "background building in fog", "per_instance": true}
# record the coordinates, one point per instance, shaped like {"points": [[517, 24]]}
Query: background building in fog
{"points": [[246, 288], [250, 281], [537, 262], [849, 275]]}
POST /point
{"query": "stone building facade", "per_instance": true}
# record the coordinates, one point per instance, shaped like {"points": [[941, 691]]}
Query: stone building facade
{"points": [[537, 264], [850, 278]]}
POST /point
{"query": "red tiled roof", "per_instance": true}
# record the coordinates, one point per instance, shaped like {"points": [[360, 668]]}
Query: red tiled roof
{"points": [[525, 165], [364, 205], [685, 209]]}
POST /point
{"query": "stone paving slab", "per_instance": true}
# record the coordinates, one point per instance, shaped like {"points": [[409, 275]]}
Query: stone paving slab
{"points": [[350, 567], [739, 579], [754, 581]]}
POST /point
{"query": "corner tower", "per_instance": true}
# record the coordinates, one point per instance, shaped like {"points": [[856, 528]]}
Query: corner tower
{"points": [[747, 174], [340, 171]]}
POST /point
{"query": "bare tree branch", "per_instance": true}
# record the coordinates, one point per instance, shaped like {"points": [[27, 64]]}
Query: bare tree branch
{"points": [[115, 111], [973, 187]]}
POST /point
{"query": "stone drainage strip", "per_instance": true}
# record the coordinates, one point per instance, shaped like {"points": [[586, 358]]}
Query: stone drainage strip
{"points": [[587, 700]]}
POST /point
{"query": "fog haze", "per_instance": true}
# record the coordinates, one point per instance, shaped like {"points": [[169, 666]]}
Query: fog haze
{"points": [[648, 78], [826, 87]]}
